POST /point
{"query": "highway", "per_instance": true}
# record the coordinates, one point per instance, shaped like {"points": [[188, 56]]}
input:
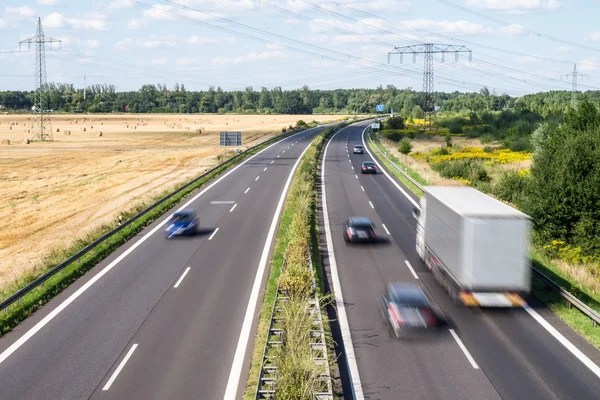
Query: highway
{"points": [[490, 354], [162, 318]]}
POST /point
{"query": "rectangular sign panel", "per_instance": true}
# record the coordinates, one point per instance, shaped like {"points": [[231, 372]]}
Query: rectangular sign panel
{"points": [[380, 108], [375, 125], [231, 139]]}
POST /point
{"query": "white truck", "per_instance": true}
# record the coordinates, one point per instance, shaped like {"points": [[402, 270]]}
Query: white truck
{"points": [[476, 246]]}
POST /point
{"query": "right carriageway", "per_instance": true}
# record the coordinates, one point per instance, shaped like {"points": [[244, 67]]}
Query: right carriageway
{"points": [[488, 354]]}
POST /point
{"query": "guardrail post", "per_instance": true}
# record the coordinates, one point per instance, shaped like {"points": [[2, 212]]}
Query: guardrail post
{"points": [[569, 305], [5, 310], [594, 324]]}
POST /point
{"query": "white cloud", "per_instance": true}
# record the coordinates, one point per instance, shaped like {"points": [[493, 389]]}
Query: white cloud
{"points": [[250, 57], [588, 65], [47, 2], [92, 43], [515, 6], [563, 49], [514, 30], [292, 21], [54, 20], [593, 37], [24, 11], [118, 4], [184, 61], [203, 40], [460, 27], [3, 24], [159, 12], [275, 46], [136, 23], [159, 61], [153, 42], [398, 6], [123, 44]]}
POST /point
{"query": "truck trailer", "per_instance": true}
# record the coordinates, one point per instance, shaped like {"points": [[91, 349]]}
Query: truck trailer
{"points": [[476, 246]]}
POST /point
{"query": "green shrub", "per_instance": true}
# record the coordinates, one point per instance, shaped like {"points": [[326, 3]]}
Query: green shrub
{"points": [[300, 123], [405, 146], [395, 123], [448, 140], [394, 136], [511, 187], [467, 169], [486, 139]]}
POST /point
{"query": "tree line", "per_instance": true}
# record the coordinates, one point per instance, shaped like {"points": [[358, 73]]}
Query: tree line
{"points": [[103, 98]]}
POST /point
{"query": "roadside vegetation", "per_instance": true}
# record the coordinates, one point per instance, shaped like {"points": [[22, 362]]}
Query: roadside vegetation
{"points": [[17, 312], [297, 375], [560, 191]]}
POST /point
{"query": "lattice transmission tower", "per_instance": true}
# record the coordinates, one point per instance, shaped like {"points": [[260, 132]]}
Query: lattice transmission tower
{"points": [[574, 75], [42, 128], [429, 49]]}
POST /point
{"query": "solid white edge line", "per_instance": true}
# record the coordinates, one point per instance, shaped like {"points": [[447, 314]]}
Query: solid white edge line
{"points": [[337, 290], [233, 208], [37, 327], [120, 367], [240, 351], [539, 319], [386, 229], [247, 190], [411, 269], [564, 341], [371, 204], [464, 349], [181, 277], [385, 172], [213, 234]]}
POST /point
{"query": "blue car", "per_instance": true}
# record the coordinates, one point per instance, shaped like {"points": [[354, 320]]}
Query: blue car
{"points": [[183, 222]]}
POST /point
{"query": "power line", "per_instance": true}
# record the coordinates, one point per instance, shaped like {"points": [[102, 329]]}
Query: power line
{"points": [[499, 21]]}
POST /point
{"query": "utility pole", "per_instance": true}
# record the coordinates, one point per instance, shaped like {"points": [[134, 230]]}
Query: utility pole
{"points": [[574, 75], [42, 129], [429, 49]]}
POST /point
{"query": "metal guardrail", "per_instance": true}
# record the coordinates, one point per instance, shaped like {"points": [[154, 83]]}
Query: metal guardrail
{"points": [[18, 295], [571, 299], [265, 388]]}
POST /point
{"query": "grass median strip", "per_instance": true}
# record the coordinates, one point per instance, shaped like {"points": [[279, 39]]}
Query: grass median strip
{"points": [[18, 311], [297, 373], [549, 297]]}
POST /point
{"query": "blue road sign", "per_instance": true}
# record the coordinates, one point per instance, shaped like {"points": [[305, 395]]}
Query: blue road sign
{"points": [[380, 108]]}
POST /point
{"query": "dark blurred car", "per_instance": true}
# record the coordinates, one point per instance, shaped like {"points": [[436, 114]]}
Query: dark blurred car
{"points": [[368, 167], [407, 310], [184, 222], [359, 229], [358, 149]]}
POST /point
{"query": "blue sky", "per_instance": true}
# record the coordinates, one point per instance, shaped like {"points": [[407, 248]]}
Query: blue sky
{"points": [[324, 44]]}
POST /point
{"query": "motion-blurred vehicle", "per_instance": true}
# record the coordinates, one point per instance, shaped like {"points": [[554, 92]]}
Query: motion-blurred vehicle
{"points": [[407, 310], [320, 125], [368, 167], [476, 246], [359, 229], [358, 149], [184, 222]]}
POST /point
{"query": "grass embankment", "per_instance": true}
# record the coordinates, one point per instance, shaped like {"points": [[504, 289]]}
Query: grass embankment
{"points": [[552, 299], [378, 145], [297, 374], [17, 312]]}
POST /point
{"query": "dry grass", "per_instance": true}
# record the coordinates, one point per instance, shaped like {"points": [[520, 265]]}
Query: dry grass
{"points": [[582, 275], [54, 193]]}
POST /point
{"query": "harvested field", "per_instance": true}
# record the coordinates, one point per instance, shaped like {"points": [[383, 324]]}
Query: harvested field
{"points": [[54, 193]]}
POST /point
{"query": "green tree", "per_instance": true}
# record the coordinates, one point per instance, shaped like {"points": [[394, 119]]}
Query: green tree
{"points": [[417, 112], [405, 146]]}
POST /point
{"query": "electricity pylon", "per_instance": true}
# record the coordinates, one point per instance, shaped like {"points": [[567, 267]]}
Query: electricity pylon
{"points": [[429, 49], [574, 75], [42, 128]]}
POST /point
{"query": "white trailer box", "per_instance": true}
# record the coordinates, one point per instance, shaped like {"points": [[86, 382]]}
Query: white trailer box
{"points": [[482, 243]]}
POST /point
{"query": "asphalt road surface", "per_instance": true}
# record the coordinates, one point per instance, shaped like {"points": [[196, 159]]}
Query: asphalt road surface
{"points": [[163, 318], [490, 354]]}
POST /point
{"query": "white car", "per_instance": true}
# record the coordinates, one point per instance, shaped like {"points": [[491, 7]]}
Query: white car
{"points": [[358, 149]]}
